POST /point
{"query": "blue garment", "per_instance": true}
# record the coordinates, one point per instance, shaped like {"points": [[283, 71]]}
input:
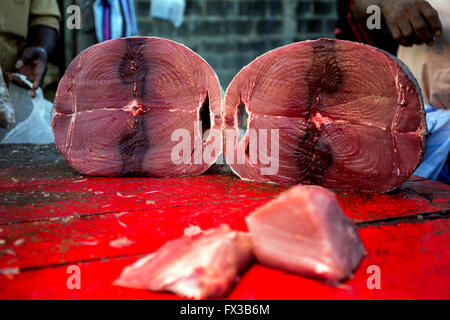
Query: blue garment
{"points": [[435, 163], [114, 19]]}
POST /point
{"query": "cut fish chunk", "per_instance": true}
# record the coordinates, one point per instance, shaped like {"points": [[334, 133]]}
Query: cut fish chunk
{"points": [[305, 231], [198, 265]]}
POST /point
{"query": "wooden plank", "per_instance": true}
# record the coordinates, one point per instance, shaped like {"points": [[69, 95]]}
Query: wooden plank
{"points": [[29, 245], [92, 196], [35, 202], [414, 259], [66, 238], [414, 197]]}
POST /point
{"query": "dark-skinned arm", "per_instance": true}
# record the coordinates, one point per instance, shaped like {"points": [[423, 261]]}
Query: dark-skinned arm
{"points": [[409, 21], [41, 41]]}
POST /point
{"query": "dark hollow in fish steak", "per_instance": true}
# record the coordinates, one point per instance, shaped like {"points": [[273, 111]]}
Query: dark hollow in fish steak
{"points": [[349, 116], [119, 102], [305, 231]]}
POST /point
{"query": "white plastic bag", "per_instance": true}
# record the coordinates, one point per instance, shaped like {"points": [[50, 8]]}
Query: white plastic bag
{"points": [[172, 10], [32, 117], [7, 115]]}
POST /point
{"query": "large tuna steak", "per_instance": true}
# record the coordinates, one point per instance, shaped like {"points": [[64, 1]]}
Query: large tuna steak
{"points": [[120, 101], [335, 113], [304, 231]]}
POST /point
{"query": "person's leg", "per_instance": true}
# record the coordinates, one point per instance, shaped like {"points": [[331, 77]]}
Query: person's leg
{"points": [[444, 175], [437, 145]]}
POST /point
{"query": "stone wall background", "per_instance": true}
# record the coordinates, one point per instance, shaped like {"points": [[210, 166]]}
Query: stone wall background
{"points": [[229, 34], [226, 33]]}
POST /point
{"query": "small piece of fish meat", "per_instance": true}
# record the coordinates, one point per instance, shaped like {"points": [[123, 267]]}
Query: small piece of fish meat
{"points": [[199, 265], [305, 231]]}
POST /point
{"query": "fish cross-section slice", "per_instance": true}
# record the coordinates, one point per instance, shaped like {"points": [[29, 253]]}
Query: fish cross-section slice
{"points": [[134, 106], [335, 113]]}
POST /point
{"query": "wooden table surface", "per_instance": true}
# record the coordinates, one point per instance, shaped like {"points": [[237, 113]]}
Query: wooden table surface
{"points": [[52, 217]]}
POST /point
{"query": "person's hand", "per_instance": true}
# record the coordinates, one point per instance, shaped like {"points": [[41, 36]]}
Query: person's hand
{"points": [[33, 64], [409, 21], [412, 21]]}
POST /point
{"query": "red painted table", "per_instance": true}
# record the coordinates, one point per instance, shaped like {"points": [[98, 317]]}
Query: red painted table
{"points": [[52, 218]]}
